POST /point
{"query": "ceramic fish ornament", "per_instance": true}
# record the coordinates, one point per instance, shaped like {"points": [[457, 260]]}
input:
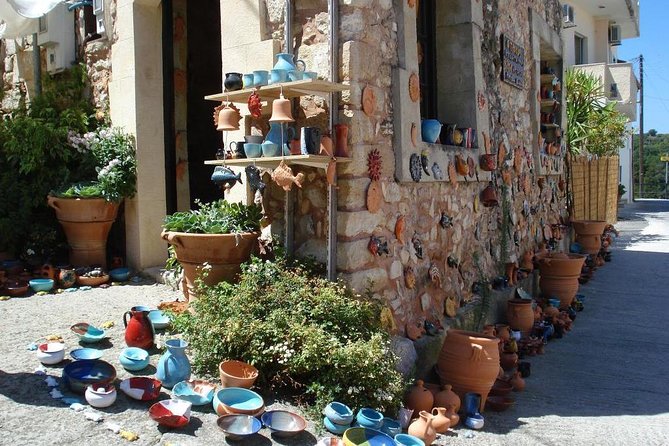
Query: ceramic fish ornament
{"points": [[417, 245], [223, 176], [445, 221], [415, 167], [452, 175], [437, 172], [253, 177], [424, 162], [399, 229], [377, 247], [452, 262], [283, 176]]}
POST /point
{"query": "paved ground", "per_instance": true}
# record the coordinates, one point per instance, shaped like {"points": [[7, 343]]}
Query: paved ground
{"points": [[603, 384]]}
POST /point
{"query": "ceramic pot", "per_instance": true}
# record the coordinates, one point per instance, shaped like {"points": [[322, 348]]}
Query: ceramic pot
{"points": [[518, 382], [520, 315], [452, 414], [430, 129], [503, 332], [174, 365], [488, 162], [422, 428], [274, 134], [559, 276], [341, 140], [139, 330], [508, 361], [589, 235], [100, 395], [489, 196], [440, 422], [67, 278], [469, 361], [447, 398], [233, 81], [260, 78], [419, 398]]}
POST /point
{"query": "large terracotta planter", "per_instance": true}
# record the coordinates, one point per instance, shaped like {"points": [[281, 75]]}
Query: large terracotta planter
{"points": [[224, 253], [469, 362], [520, 315], [589, 234], [86, 222], [559, 276]]}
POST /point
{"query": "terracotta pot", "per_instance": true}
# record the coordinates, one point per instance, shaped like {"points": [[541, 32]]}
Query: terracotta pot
{"points": [[508, 361], [223, 252], [86, 222], [503, 332], [489, 196], [452, 414], [440, 422], [419, 398], [422, 428], [237, 374], [559, 276], [520, 315], [447, 398], [518, 382], [589, 234], [469, 361], [488, 162]]}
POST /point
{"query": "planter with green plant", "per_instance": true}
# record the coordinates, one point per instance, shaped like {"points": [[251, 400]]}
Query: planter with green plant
{"points": [[217, 238], [87, 210]]}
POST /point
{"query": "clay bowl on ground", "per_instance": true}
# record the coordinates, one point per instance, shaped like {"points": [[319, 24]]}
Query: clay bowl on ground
{"points": [[134, 358], [78, 375], [237, 426], [100, 395], [87, 333], [16, 288], [362, 436], [120, 274], [283, 423], [171, 413], [369, 418], [334, 428], [141, 388], [408, 440], [237, 400], [86, 353], [338, 413], [159, 320], [237, 374], [195, 391], [51, 353], [41, 284], [498, 403], [501, 388], [92, 281]]}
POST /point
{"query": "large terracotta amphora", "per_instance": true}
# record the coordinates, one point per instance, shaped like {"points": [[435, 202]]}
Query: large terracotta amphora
{"points": [[469, 361], [138, 330], [559, 276], [422, 428], [520, 315], [589, 234]]}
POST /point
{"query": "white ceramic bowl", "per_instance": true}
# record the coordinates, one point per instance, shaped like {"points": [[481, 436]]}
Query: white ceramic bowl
{"points": [[98, 395], [51, 353]]}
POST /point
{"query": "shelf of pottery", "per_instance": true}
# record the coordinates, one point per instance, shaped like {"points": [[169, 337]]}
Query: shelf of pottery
{"points": [[550, 115]]}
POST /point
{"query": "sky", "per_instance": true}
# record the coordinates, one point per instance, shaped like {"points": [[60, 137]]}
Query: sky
{"points": [[653, 45]]}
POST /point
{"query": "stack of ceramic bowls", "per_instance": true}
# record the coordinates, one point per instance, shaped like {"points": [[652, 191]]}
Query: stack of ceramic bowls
{"points": [[338, 417]]}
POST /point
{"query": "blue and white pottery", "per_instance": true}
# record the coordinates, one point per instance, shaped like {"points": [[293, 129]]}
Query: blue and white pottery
{"points": [[86, 353], [408, 440], [335, 428], [237, 400], [237, 426], [252, 150], [391, 427], [285, 61], [338, 413], [174, 365], [41, 284], [196, 392], [270, 149], [134, 358], [283, 423], [158, 319], [295, 75], [475, 421], [430, 129], [310, 75], [369, 418]]}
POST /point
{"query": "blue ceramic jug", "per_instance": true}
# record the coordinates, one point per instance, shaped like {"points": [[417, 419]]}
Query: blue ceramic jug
{"points": [[174, 365], [285, 61], [274, 135]]}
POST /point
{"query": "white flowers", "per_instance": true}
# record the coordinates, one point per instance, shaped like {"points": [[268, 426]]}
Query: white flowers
{"points": [[108, 168], [283, 351]]}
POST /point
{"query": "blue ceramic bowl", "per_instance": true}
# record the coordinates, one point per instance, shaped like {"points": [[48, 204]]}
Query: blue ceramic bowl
{"points": [[338, 429], [120, 274], [369, 418], [338, 413], [238, 426], [252, 150], [80, 354], [196, 392], [88, 333], [408, 440], [283, 423], [475, 421], [367, 437], [134, 358], [391, 427], [270, 149], [430, 129], [580, 297], [554, 303], [159, 319], [41, 284], [78, 375], [237, 400]]}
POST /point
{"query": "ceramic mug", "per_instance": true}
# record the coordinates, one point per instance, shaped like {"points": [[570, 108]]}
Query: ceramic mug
{"points": [[253, 150], [310, 75], [247, 80], [270, 149], [295, 75], [278, 76], [237, 149], [260, 78], [310, 140]]}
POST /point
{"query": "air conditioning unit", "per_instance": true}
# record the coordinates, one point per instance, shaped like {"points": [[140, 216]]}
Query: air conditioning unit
{"points": [[56, 34], [614, 35], [568, 16], [99, 11]]}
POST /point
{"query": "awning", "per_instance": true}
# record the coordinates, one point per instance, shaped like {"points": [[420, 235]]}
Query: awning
{"points": [[18, 18]]}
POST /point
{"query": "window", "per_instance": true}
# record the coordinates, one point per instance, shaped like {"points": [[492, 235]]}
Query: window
{"points": [[580, 50], [426, 28]]}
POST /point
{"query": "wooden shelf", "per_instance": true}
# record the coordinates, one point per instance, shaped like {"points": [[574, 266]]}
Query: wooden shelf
{"points": [[551, 126], [318, 161], [290, 90]]}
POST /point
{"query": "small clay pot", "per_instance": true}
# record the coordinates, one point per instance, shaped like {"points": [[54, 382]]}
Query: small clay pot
{"points": [[446, 397], [488, 162], [440, 422], [518, 382], [489, 196], [419, 398], [233, 81]]}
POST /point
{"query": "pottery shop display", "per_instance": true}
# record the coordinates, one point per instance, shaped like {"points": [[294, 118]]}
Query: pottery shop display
{"points": [[196, 392], [287, 62], [159, 320], [489, 196], [134, 359], [233, 81], [138, 330], [237, 400], [369, 418], [391, 427], [174, 365], [141, 388], [277, 76], [338, 413], [446, 397], [334, 428], [85, 353], [559, 276], [422, 427], [361, 436], [171, 413], [87, 333], [260, 78], [228, 118], [469, 362], [237, 374], [419, 398], [520, 315], [589, 235], [100, 395]]}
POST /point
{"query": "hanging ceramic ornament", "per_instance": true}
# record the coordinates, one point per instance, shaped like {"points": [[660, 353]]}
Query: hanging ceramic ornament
{"points": [[374, 193], [228, 118], [415, 168], [281, 110], [255, 104], [414, 87], [368, 101], [283, 176], [399, 229], [452, 175], [450, 307]]}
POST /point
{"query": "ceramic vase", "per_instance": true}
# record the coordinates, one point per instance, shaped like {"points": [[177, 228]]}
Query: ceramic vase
{"points": [[452, 414], [422, 428], [440, 422], [341, 140], [139, 329], [174, 365], [559, 276], [67, 278], [520, 315], [430, 129], [419, 398], [446, 397], [589, 234]]}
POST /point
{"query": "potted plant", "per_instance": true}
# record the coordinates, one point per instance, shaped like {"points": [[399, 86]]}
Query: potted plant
{"points": [[87, 210], [217, 237]]}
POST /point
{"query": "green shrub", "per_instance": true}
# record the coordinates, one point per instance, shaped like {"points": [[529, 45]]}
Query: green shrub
{"points": [[218, 217], [301, 332]]}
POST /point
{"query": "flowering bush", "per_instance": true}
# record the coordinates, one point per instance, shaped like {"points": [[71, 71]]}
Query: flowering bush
{"points": [[302, 332], [114, 153]]}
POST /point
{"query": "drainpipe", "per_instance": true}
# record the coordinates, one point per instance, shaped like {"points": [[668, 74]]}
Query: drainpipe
{"points": [[288, 28], [168, 108], [333, 7], [291, 194], [37, 66]]}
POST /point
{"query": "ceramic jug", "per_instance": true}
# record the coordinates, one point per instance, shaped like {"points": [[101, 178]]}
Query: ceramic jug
{"points": [[423, 429], [274, 135], [174, 365], [139, 330], [285, 61], [440, 422]]}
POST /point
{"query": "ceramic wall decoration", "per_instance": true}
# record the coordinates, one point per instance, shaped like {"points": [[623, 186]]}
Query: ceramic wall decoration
{"points": [[506, 177], [409, 278], [489, 196], [414, 87], [233, 81], [488, 162], [224, 177], [341, 140], [374, 197], [471, 168], [452, 175], [414, 134], [518, 160], [411, 3], [451, 306], [368, 101], [414, 332], [377, 246], [461, 166], [415, 167], [417, 245], [435, 275], [399, 229], [174, 365], [374, 165], [255, 105], [283, 176], [437, 172], [445, 221], [501, 154], [424, 162]]}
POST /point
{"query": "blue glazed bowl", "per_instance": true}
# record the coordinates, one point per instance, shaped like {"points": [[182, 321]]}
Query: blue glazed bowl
{"points": [[554, 303], [159, 319], [391, 427], [270, 149], [408, 440], [120, 274], [369, 418], [134, 358], [283, 423], [430, 129], [338, 413], [86, 353], [475, 421], [237, 400], [88, 333], [78, 375], [367, 437], [41, 284], [253, 150], [196, 392], [237, 426], [335, 428]]}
